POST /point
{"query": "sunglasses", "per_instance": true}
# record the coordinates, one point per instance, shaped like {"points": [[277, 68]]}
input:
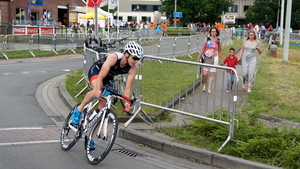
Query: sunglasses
{"points": [[134, 57]]}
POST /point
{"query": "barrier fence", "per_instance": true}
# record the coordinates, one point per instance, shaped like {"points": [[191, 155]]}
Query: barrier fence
{"points": [[154, 45], [175, 85]]}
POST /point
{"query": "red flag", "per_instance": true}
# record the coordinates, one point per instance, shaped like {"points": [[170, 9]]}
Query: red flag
{"points": [[91, 3]]}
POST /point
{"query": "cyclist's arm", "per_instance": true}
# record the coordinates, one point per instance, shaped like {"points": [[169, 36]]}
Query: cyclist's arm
{"points": [[110, 61]]}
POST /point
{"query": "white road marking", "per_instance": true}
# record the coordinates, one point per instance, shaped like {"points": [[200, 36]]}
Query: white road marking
{"points": [[29, 142], [23, 128], [66, 70], [7, 73], [43, 71]]}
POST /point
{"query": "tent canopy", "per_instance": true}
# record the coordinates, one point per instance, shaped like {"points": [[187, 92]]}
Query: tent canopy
{"points": [[91, 15], [89, 9]]}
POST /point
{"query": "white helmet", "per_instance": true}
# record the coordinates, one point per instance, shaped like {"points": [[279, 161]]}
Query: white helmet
{"points": [[134, 49]]}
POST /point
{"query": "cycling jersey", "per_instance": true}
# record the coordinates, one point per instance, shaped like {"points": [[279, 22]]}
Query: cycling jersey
{"points": [[114, 70]]}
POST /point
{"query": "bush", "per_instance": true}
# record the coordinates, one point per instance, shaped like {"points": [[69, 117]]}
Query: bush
{"points": [[179, 31]]}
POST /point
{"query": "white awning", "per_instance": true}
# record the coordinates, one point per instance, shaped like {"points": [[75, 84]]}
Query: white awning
{"points": [[62, 6]]}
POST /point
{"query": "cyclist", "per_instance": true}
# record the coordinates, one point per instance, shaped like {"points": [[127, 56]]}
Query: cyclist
{"points": [[103, 71]]}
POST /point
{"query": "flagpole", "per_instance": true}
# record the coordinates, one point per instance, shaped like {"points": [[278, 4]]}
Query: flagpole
{"points": [[96, 19], [108, 24], [86, 19], [118, 26]]}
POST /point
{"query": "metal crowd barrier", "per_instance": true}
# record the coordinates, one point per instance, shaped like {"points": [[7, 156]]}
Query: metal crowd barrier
{"points": [[90, 56], [177, 89], [3, 45], [159, 46]]}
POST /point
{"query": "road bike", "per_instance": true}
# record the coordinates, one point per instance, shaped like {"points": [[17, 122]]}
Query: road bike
{"points": [[100, 130]]}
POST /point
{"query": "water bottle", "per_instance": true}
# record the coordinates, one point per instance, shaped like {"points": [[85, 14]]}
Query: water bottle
{"points": [[93, 114]]}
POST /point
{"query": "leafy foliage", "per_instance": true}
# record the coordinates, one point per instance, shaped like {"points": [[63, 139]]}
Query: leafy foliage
{"points": [[268, 16], [208, 11]]}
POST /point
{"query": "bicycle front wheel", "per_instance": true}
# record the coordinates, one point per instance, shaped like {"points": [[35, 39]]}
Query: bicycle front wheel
{"points": [[103, 138], [68, 133]]}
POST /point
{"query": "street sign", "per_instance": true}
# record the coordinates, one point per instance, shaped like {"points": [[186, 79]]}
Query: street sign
{"points": [[177, 14]]}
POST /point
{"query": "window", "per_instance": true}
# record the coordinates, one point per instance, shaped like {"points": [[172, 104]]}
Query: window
{"points": [[233, 8], [246, 8], [20, 15], [148, 8], [146, 18], [131, 18]]}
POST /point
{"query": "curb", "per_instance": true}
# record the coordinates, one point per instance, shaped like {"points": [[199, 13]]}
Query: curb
{"points": [[190, 153]]}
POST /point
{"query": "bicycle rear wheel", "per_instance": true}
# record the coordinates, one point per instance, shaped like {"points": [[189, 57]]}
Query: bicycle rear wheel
{"points": [[102, 144], [68, 136]]}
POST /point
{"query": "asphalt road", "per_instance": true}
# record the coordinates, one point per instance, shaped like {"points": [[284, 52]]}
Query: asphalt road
{"points": [[29, 139]]}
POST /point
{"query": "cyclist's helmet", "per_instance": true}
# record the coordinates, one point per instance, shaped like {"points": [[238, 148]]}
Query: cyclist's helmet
{"points": [[134, 49]]}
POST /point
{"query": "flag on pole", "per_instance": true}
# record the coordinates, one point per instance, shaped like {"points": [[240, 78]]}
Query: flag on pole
{"points": [[28, 10], [91, 3], [112, 4]]}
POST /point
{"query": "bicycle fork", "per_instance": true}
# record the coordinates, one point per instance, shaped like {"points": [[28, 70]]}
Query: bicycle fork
{"points": [[103, 124]]}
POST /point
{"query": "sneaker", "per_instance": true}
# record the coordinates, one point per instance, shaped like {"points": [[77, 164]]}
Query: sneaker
{"points": [[92, 145], [231, 87], [228, 90], [76, 116]]}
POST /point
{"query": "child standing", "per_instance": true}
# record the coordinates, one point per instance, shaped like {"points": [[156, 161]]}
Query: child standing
{"points": [[231, 61]]}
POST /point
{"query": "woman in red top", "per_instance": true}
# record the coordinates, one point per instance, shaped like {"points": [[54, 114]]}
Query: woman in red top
{"points": [[231, 61]]}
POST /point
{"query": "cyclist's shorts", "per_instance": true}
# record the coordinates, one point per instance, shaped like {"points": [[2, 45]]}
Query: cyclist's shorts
{"points": [[93, 74]]}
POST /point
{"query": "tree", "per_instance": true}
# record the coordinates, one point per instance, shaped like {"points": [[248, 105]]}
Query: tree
{"points": [[208, 11], [265, 12]]}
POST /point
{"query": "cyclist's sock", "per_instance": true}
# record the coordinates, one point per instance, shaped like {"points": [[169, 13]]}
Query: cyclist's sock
{"points": [[76, 116], [92, 145]]}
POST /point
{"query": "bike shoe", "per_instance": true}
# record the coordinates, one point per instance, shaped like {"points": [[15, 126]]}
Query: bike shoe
{"points": [[76, 116], [92, 145]]}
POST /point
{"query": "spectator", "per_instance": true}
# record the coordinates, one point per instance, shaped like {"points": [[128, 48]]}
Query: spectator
{"points": [[270, 28], [74, 27], [164, 29], [248, 55], [158, 30], [250, 26], [231, 61], [233, 31], [263, 31], [211, 51], [87, 25], [51, 20]]}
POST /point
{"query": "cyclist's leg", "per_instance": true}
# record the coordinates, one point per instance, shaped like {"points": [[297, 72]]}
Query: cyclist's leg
{"points": [[102, 140], [92, 76]]}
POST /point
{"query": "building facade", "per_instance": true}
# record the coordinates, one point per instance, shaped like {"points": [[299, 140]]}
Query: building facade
{"points": [[44, 11], [37, 11]]}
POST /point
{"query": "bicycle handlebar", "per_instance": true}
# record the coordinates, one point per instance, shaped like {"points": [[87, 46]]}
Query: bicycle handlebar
{"points": [[115, 93]]}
